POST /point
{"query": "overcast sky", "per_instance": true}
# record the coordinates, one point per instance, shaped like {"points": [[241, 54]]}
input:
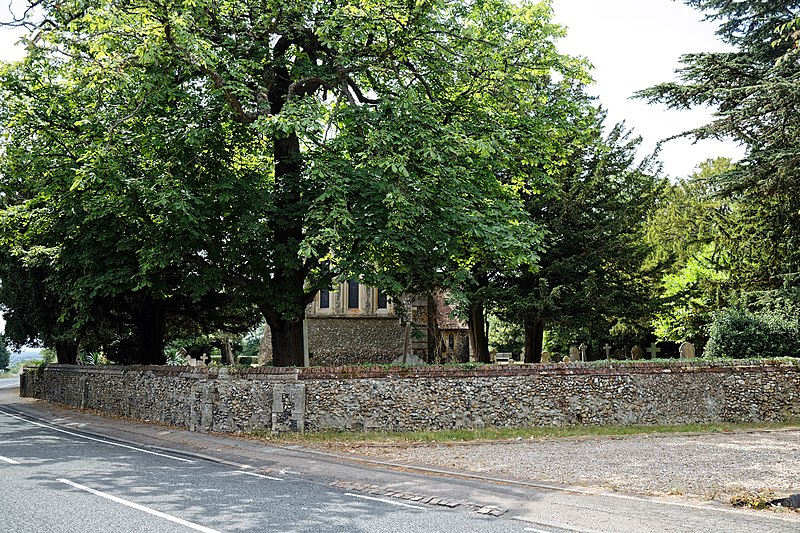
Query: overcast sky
{"points": [[634, 44]]}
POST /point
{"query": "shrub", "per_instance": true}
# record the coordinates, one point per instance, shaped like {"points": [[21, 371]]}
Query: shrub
{"points": [[741, 334]]}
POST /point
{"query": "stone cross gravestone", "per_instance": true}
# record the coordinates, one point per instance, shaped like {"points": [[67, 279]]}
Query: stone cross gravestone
{"points": [[687, 350], [607, 348], [653, 350], [583, 348]]}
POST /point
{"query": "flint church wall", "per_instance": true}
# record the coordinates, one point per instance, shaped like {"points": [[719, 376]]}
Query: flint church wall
{"points": [[427, 398]]}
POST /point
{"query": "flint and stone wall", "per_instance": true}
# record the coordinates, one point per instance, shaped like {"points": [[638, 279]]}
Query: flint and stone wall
{"points": [[421, 398], [339, 341]]}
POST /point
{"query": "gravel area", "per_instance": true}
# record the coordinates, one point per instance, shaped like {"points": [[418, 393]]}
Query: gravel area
{"points": [[697, 466]]}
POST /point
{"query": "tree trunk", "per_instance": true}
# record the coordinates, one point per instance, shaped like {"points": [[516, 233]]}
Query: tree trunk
{"points": [[66, 352], [477, 333], [434, 336], [287, 342], [534, 340], [264, 345], [149, 327]]}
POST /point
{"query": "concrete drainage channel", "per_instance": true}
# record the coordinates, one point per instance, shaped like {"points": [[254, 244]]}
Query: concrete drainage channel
{"points": [[383, 492]]}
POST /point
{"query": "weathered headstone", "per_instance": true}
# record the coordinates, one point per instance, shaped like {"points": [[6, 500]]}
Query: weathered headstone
{"points": [[687, 350], [583, 349], [409, 359], [653, 350], [545, 357], [574, 353], [566, 359], [636, 352], [607, 348]]}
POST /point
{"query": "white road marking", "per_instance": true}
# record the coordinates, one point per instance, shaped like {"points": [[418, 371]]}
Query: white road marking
{"points": [[138, 507], [262, 476], [535, 530], [384, 500], [110, 443], [9, 461]]}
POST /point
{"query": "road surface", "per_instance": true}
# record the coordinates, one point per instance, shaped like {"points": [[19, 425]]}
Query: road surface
{"points": [[62, 470]]}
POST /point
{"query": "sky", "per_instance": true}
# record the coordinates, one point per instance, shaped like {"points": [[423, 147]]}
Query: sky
{"points": [[634, 44]]}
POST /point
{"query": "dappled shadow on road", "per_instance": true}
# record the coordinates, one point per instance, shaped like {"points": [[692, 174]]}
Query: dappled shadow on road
{"points": [[216, 496]]}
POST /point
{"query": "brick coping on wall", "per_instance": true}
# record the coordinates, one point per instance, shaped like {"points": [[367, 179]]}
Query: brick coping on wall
{"points": [[436, 371]]}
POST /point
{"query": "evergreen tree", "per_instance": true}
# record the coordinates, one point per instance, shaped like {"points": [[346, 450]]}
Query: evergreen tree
{"points": [[756, 92], [5, 354], [591, 277]]}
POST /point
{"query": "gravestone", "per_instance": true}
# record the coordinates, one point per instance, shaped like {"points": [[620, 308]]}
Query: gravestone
{"points": [[545, 357], [636, 352], [607, 348], [574, 353], [583, 348], [653, 350], [566, 359], [409, 359], [687, 350]]}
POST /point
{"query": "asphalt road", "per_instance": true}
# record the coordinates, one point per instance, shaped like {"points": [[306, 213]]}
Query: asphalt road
{"points": [[57, 479], [63, 471]]}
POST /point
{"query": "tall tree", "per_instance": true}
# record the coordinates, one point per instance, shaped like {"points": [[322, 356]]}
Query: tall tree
{"points": [[282, 144], [690, 246], [592, 269], [756, 93]]}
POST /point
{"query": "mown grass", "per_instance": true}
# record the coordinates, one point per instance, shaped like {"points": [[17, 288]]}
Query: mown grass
{"points": [[507, 434]]}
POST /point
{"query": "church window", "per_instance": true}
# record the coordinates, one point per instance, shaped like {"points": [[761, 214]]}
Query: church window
{"points": [[324, 299], [352, 295], [382, 300]]}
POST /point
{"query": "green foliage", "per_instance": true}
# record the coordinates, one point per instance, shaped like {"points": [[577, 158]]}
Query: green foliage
{"points": [[47, 356], [741, 334], [181, 159], [505, 337], [5, 354], [92, 358], [755, 92], [591, 277], [687, 233]]}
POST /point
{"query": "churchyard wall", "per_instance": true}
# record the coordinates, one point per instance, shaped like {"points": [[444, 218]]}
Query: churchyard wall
{"points": [[425, 398]]}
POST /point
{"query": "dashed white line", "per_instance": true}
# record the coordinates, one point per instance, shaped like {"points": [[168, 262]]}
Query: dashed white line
{"points": [[262, 476], [9, 461], [110, 443], [383, 500], [138, 507]]}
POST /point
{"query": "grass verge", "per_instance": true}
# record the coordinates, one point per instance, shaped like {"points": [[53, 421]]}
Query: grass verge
{"points": [[510, 434]]}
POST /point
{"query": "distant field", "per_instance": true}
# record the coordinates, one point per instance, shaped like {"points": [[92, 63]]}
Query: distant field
{"points": [[26, 354]]}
